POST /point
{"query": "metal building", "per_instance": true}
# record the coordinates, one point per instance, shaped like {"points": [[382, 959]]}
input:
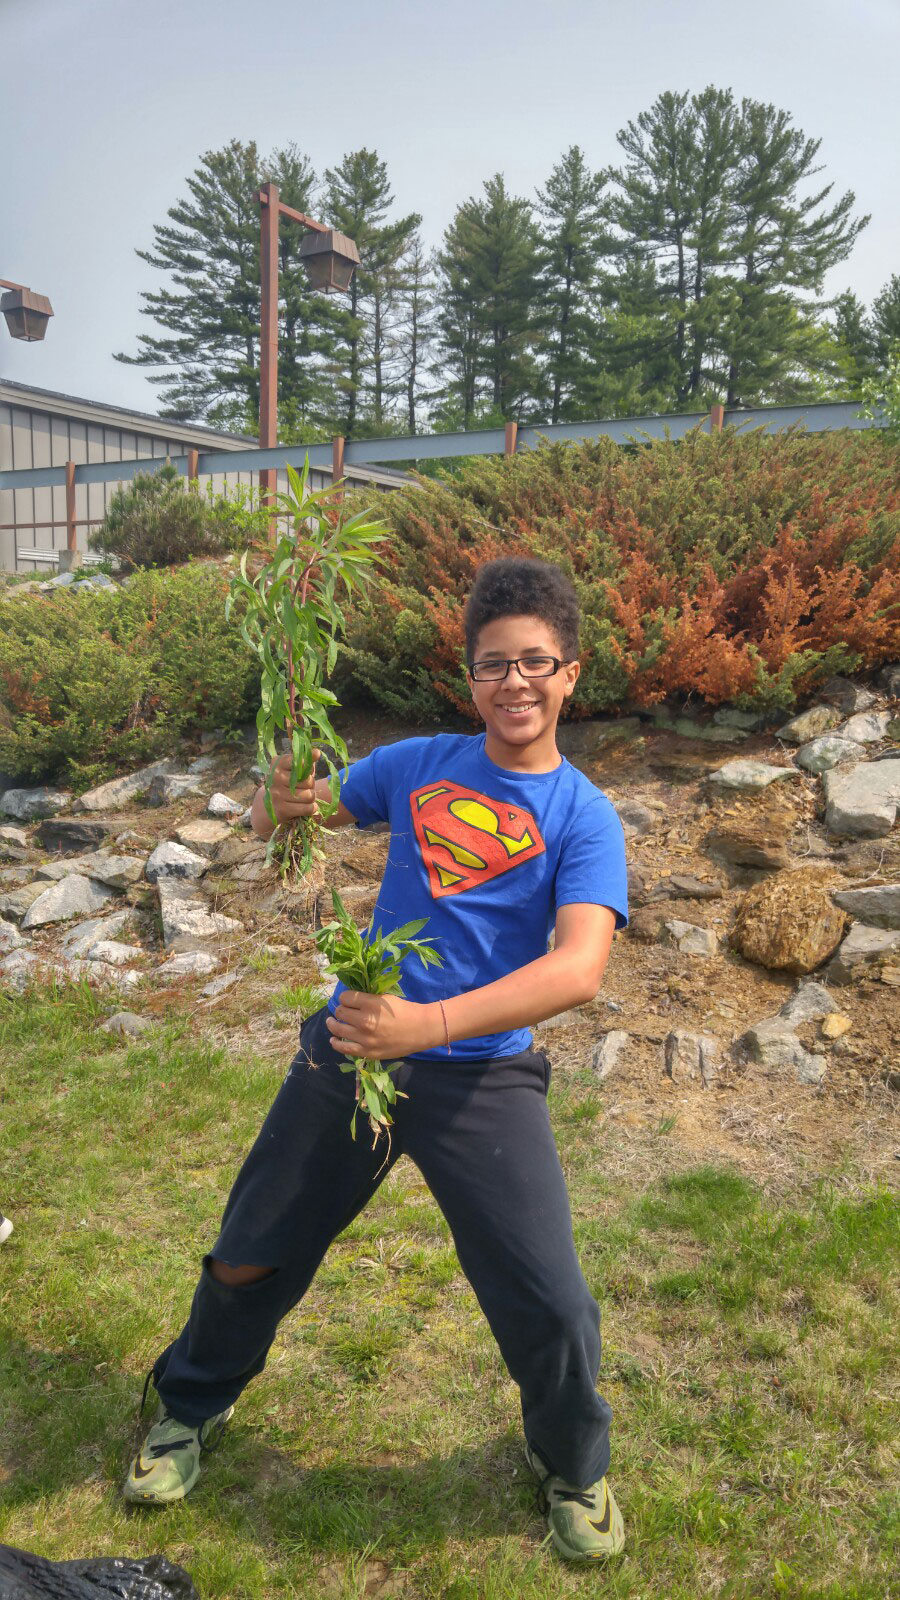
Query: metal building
{"points": [[39, 428]]}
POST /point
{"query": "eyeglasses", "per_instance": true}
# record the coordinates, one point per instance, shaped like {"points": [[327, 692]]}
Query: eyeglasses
{"points": [[529, 667]]}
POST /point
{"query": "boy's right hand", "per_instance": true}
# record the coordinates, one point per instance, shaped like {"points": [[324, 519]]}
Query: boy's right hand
{"points": [[302, 802]]}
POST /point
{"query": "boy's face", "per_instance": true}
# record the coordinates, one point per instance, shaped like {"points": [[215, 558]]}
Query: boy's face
{"points": [[520, 714]]}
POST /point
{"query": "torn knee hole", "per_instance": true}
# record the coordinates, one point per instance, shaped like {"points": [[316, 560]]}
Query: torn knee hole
{"points": [[240, 1276]]}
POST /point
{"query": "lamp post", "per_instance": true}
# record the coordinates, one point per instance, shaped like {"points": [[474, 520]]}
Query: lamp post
{"points": [[329, 258], [26, 313]]}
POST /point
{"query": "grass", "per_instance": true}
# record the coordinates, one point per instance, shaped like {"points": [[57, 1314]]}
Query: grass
{"points": [[750, 1348]]}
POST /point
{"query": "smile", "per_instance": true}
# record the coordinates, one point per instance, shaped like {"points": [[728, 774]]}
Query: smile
{"points": [[518, 711]]}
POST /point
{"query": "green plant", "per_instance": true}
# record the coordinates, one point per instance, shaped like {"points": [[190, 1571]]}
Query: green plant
{"points": [[291, 618], [881, 397], [370, 963], [159, 520]]}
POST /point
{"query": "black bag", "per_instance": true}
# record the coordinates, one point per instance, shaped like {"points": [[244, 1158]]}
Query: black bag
{"points": [[24, 1576]]}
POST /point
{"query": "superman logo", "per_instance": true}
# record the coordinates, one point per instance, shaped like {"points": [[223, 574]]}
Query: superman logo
{"points": [[466, 838]]}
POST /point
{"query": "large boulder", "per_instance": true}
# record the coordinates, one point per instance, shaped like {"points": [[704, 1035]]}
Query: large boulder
{"points": [[71, 835], [773, 1044], [818, 719], [690, 939], [691, 1057], [74, 896], [118, 872], [203, 835], [27, 805], [174, 861], [829, 750], [607, 1053], [862, 801], [867, 727], [788, 923], [122, 791], [186, 918], [847, 695]]}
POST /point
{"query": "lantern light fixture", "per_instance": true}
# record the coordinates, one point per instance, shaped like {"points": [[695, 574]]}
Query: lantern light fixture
{"points": [[26, 313], [329, 258]]}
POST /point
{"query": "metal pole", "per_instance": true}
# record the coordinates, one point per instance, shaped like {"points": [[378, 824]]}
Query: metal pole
{"points": [[71, 539], [716, 418], [509, 440], [268, 339], [337, 458], [193, 465]]}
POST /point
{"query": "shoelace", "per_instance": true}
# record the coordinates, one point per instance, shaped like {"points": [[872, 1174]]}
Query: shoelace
{"points": [[578, 1495], [163, 1449]]}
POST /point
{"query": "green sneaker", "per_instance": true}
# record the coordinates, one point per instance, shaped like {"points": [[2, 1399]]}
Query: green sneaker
{"points": [[585, 1524], [168, 1463]]}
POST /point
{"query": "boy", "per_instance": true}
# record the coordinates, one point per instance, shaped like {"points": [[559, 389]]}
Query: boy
{"points": [[497, 840]]}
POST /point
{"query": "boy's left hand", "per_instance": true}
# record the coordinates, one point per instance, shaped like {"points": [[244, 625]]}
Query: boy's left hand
{"points": [[383, 1027]]}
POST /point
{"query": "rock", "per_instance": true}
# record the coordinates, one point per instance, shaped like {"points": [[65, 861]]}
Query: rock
{"points": [[866, 728], [862, 800], [129, 840], [121, 791], [749, 775], [733, 717], [811, 1001], [636, 818], [889, 680], [233, 851], [174, 861], [119, 872], [188, 964], [187, 919], [18, 970], [619, 728], [203, 835], [70, 835], [166, 788], [14, 877], [878, 906], [691, 940], [211, 991], [127, 1024], [835, 1025], [749, 843], [328, 981], [687, 728], [863, 952], [17, 837], [788, 923], [245, 818], [16, 904], [114, 953], [29, 804], [79, 940], [201, 764], [847, 695], [691, 1057], [773, 1045], [222, 805], [684, 886], [10, 938], [606, 1053], [74, 896], [255, 871], [647, 924], [818, 719], [829, 750]]}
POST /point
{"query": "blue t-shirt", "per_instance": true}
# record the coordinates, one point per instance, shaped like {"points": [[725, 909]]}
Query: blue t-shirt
{"points": [[488, 856]]}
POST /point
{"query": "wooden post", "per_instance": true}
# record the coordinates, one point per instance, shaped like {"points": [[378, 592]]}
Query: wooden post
{"points": [[716, 418], [509, 442], [71, 535], [193, 466], [337, 458]]}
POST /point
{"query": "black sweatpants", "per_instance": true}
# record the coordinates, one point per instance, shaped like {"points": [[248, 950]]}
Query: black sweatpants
{"points": [[480, 1135]]}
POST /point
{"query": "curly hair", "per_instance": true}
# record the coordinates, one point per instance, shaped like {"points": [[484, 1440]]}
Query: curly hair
{"points": [[518, 586]]}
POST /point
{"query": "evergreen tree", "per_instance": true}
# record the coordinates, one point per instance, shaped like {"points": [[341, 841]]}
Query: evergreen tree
{"points": [[358, 200], [856, 354], [207, 359], [780, 246], [490, 293], [413, 331], [575, 240], [710, 196], [886, 320]]}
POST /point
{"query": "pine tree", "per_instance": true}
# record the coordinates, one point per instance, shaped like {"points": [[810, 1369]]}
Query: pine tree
{"points": [[575, 241], [780, 246], [358, 200], [886, 320], [413, 332], [208, 357], [489, 295], [856, 350]]}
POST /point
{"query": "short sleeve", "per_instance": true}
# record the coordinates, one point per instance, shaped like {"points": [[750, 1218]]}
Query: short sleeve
{"points": [[366, 788], [592, 866]]}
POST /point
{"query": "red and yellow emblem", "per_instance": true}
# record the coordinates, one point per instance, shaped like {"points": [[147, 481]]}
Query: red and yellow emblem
{"points": [[466, 838]]}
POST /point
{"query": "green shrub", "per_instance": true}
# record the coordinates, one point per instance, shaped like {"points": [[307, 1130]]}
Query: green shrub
{"points": [[736, 566], [91, 683], [161, 521]]}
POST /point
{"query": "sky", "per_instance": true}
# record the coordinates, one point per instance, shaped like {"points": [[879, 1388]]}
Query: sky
{"points": [[106, 107]]}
